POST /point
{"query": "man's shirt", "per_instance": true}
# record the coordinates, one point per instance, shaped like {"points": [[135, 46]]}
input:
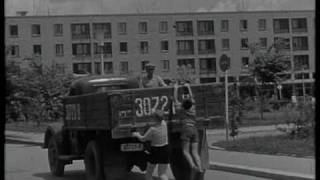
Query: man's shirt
{"points": [[156, 81]]}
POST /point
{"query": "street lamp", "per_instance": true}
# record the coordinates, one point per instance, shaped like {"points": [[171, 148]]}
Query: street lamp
{"points": [[304, 67], [100, 38]]}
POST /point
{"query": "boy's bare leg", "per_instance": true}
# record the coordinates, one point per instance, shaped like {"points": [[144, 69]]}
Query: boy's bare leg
{"points": [[162, 171], [195, 155], [187, 154], [150, 169]]}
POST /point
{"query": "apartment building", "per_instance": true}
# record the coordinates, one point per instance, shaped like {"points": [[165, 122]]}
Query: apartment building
{"points": [[126, 42]]}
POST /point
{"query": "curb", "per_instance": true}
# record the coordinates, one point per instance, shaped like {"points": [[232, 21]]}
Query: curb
{"points": [[260, 172]]}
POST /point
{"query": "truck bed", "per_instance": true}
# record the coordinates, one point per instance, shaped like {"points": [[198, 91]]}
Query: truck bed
{"points": [[122, 110]]}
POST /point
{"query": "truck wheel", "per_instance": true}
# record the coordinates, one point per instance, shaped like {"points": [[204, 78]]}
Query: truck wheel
{"points": [[93, 162], [56, 165]]}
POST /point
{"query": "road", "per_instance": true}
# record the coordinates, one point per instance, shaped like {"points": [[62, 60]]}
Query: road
{"points": [[28, 162]]}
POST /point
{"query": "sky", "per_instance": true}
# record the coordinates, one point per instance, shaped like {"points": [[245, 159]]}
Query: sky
{"points": [[64, 7]]}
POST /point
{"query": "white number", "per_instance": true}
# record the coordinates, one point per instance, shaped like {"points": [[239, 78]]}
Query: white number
{"points": [[156, 104], [147, 105], [139, 112]]}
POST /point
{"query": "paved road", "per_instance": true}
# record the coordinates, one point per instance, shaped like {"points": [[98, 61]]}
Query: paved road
{"points": [[29, 162]]}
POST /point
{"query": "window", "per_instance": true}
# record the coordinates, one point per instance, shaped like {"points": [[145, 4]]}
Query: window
{"points": [[299, 25], [244, 43], [107, 49], [59, 50], [164, 46], [80, 31], [108, 67], [184, 28], [243, 25], [205, 28], [230, 79], [35, 30], [301, 62], [13, 29], [143, 27], [300, 43], [206, 46], [185, 47], [282, 43], [244, 62], [81, 49], [163, 27], [14, 51], [143, 65], [208, 66], [186, 63], [262, 24], [123, 47], [58, 29], [124, 67], [99, 28], [144, 47], [37, 49], [281, 25], [263, 42], [225, 44], [81, 68], [165, 65], [208, 80], [224, 25], [301, 76], [122, 28]]}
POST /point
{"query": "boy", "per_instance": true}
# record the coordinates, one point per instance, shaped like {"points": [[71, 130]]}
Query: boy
{"points": [[189, 134]]}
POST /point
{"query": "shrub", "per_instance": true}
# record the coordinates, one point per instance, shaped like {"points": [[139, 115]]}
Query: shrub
{"points": [[301, 122]]}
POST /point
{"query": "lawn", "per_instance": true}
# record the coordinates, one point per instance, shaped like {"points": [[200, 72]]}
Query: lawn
{"points": [[272, 145]]}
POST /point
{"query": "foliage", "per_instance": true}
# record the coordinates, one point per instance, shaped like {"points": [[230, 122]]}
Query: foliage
{"points": [[301, 121], [266, 66], [235, 109], [186, 74], [35, 93], [271, 144]]}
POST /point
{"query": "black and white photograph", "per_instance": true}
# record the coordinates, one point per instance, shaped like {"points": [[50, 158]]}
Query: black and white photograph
{"points": [[160, 89]]}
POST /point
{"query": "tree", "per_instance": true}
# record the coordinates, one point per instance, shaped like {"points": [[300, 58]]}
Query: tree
{"points": [[266, 66], [36, 92], [186, 74]]}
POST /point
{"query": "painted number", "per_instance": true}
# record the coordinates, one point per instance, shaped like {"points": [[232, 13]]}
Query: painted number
{"points": [[147, 105], [73, 112]]}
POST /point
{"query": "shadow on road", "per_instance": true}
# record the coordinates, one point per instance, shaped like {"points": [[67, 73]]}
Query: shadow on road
{"points": [[69, 175], [80, 175]]}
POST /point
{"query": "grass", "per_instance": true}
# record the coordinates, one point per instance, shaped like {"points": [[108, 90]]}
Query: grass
{"points": [[272, 145]]}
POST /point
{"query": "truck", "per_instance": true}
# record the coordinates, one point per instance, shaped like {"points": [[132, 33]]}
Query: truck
{"points": [[100, 114]]}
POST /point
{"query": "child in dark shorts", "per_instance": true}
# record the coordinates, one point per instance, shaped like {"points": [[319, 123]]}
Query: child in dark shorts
{"points": [[159, 151], [189, 132]]}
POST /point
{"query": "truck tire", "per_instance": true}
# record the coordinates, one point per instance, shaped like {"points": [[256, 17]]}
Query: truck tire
{"points": [[93, 162], [56, 165]]}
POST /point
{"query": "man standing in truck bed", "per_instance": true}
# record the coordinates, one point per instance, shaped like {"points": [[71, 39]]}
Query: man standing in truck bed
{"points": [[150, 80]]}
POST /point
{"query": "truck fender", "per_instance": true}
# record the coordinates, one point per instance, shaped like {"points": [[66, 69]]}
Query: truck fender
{"points": [[52, 129]]}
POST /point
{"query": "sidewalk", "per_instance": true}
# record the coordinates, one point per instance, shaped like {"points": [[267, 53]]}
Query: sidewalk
{"points": [[269, 166]]}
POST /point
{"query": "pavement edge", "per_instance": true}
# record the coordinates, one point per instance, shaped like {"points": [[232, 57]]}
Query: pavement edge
{"points": [[260, 172]]}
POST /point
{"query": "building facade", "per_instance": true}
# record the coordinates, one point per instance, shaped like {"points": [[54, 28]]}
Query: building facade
{"points": [[126, 42]]}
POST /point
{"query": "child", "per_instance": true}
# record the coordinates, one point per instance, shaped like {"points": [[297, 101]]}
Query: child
{"points": [[189, 133], [159, 152]]}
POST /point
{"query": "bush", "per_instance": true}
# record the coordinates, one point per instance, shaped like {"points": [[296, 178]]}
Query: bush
{"points": [[301, 121]]}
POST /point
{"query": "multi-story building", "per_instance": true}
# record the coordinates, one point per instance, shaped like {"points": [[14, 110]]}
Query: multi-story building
{"points": [[198, 40]]}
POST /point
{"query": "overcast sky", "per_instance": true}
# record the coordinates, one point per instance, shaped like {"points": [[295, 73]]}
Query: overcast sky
{"points": [[62, 7]]}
